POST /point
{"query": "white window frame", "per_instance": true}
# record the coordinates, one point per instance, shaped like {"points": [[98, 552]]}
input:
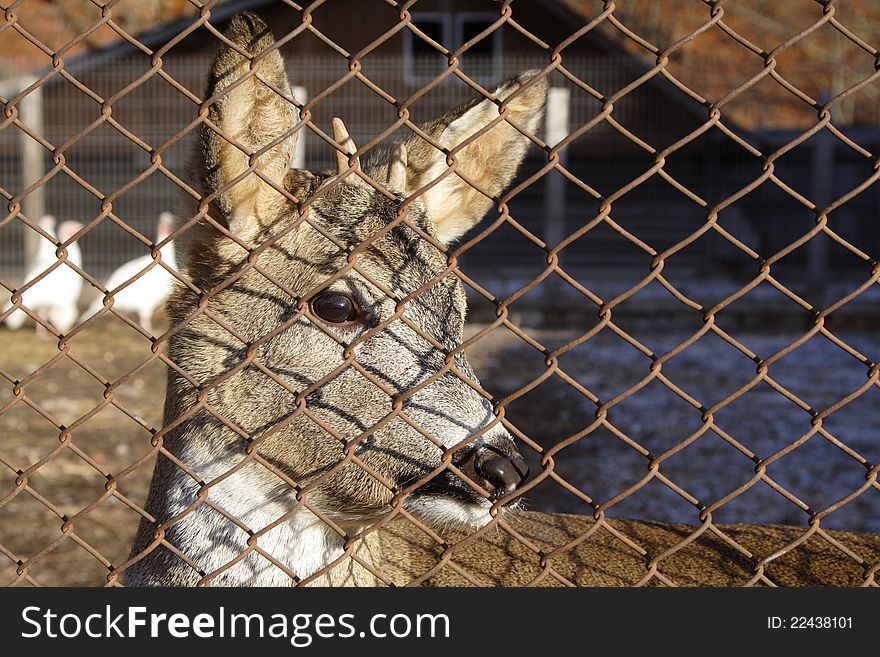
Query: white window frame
{"points": [[442, 17], [452, 36], [461, 17]]}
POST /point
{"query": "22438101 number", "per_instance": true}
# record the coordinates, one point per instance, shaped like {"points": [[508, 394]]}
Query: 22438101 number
{"points": [[820, 622]]}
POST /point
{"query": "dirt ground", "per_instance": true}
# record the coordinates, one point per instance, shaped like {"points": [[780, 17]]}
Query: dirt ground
{"points": [[112, 439], [600, 464]]}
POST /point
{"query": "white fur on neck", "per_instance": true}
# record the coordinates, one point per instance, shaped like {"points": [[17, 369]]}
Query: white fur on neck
{"points": [[303, 544]]}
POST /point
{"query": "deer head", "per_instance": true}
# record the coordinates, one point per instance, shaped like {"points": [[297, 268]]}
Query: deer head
{"points": [[321, 373]]}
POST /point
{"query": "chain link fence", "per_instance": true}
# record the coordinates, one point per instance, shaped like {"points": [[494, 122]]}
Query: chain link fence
{"points": [[672, 311]]}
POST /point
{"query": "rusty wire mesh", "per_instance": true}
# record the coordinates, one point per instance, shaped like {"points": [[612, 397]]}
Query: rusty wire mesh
{"points": [[65, 533]]}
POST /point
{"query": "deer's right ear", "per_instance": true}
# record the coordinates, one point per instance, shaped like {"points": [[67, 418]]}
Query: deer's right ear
{"points": [[250, 108], [488, 153]]}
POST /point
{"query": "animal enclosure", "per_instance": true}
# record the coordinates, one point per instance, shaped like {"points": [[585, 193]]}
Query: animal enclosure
{"points": [[673, 308]]}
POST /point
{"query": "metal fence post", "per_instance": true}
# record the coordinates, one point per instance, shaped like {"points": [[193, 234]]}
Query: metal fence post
{"points": [[558, 102], [30, 111], [299, 153], [821, 191]]}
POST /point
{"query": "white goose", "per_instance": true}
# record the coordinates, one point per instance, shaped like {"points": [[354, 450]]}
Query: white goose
{"points": [[145, 294], [54, 297]]}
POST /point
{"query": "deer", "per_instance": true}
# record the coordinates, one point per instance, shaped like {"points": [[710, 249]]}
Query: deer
{"points": [[319, 399]]}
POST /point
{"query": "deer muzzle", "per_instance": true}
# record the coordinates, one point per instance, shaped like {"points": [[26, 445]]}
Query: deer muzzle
{"points": [[500, 470]]}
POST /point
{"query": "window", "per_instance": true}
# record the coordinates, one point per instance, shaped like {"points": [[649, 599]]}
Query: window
{"points": [[483, 60], [422, 62]]}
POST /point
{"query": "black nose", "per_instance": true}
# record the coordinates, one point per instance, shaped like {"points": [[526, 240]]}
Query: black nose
{"points": [[498, 472], [504, 473]]}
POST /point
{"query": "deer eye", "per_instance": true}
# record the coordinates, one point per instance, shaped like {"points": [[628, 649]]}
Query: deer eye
{"points": [[335, 307]]}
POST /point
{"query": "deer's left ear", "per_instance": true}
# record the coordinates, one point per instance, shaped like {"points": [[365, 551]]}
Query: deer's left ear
{"points": [[490, 161], [251, 112]]}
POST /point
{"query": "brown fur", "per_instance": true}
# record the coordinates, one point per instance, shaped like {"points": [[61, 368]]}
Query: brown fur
{"points": [[603, 559]]}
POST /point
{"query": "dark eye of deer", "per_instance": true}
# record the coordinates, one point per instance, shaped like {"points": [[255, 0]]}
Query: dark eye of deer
{"points": [[335, 307]]}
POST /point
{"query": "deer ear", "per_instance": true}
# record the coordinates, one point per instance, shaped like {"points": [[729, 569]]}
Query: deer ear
{"points": [[490, 160], [251, 108]]}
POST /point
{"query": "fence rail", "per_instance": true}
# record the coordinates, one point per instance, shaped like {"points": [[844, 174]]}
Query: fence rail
{"points": [[658, 237]]}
